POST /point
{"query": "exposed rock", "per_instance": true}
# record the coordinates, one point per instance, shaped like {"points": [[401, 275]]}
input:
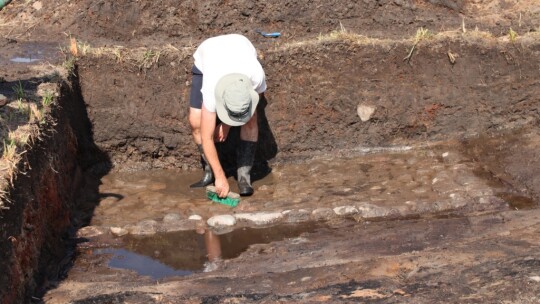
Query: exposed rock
{"points": [[3, 100], [146, 227], [172, 217], [365, 111], [91, 231], [119, 231], [219, 221], [345, 210], [195, 217], [322, 214], [260, 218], [37, 5], [177, 225], [296, 216], [371, 211]]}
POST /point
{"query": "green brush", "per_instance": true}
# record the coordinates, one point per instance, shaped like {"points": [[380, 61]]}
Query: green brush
{"points": [[231, 200]]}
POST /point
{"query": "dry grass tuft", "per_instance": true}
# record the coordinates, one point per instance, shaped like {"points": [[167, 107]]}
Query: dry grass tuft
{"points": [[21, 124]]}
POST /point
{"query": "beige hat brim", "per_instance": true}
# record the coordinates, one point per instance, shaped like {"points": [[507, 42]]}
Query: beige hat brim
{"points": [[221, 111]]}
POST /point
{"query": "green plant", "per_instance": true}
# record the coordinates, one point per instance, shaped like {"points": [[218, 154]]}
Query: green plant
{"points": [[118, 54], [421, 34], [19, 91], [69, 64], [84, 47], [47, 99], [20, 106], [9, 152], [149, 57], [512, 35], [36, 114]]}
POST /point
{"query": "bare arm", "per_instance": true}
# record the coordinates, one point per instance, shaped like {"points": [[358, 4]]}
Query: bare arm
{"points": [[208, 126]]}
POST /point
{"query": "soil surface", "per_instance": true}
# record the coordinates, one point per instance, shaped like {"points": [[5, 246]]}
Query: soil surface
{"points": [[398, 160]]}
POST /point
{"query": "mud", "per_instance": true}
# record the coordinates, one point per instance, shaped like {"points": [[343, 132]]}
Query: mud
{"points": [[440, 253]]}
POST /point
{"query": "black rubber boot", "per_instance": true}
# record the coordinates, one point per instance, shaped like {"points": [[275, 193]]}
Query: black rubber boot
{"points": [[208, 176], [245, 155]]}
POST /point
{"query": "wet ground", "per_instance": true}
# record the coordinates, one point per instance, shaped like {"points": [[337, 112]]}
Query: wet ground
{"points": [[416, 224]]}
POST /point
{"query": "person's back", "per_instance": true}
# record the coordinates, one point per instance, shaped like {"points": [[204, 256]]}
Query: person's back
{"points": [[227, 54], [228, 80]]}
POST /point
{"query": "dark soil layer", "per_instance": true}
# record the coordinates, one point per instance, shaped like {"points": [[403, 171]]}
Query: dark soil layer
{"points": [[169, 20], [42, 198], [140, 116]]}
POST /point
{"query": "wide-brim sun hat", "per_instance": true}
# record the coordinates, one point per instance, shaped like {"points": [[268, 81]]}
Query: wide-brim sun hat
{"points": [[236, 100]]}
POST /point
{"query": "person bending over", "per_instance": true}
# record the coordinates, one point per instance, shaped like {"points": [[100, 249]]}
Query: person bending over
{"points": [[227, 83]]}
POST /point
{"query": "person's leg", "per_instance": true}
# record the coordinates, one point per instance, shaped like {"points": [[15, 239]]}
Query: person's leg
{"points": [[245, 155], [195, 104]]}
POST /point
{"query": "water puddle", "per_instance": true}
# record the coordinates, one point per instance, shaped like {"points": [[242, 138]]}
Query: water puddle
{"points": [[24, 60], [187, 252], [31, 53]]}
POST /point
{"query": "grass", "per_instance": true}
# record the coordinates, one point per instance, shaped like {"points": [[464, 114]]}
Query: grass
{"points": [[47, 99], [10, 156], [19, 91], [69, 64], [512, 35], [421, 34], [9, 152], [149, 58], [21, 123]]}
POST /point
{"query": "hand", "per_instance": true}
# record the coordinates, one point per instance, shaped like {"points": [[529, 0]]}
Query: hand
{"points": [[221, 132], [222, 186]]}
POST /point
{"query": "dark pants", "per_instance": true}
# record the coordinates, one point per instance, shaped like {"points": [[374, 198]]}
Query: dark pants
{"points": [[195, 98]]}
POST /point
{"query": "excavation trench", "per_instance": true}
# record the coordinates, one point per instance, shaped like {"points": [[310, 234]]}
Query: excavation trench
{"points": [[122, 158]]}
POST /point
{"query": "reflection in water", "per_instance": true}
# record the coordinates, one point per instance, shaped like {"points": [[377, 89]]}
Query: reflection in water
{"points": [[213, 249], [141, 264], [185, 252]]}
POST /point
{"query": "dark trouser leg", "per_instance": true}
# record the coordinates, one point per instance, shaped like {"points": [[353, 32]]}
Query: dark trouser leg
{"points": [[208, 176], [245, 155]]}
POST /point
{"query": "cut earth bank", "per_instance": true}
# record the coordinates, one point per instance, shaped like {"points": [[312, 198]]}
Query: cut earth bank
{"points": [[338, 84]]}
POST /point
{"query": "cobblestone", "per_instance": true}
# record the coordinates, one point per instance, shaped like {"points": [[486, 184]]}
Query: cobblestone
{"points": [[412, 182]]}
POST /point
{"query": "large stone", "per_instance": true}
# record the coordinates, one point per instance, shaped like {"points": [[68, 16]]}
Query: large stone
{"points": [[345, 210], [195, 217], [146, 227], [365, 111], [372, 211], [119, 231], [296, 216], [172, 217], [322, 214], [91, 231], [260, 218], [177, 225], [3, 100], [220, 221]]}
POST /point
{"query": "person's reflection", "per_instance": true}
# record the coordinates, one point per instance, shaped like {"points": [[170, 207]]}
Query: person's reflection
{"points": [[213, 249]]}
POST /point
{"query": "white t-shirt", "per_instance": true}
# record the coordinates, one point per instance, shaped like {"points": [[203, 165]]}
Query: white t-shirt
{"points": [[222, 55]]}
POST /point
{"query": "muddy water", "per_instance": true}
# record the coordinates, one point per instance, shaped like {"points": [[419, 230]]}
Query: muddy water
{"points": [[186, 252], [33, 53]]}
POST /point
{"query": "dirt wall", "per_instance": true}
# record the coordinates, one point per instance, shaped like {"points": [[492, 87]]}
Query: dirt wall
{"points": [[145, 22], [314, 91], [41, 201]]}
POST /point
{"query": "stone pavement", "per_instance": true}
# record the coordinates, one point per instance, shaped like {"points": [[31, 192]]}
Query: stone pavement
{"points": [[406, 183]]}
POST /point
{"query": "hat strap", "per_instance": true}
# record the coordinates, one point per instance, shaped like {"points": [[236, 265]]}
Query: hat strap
{"points": [[237, 115]]}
